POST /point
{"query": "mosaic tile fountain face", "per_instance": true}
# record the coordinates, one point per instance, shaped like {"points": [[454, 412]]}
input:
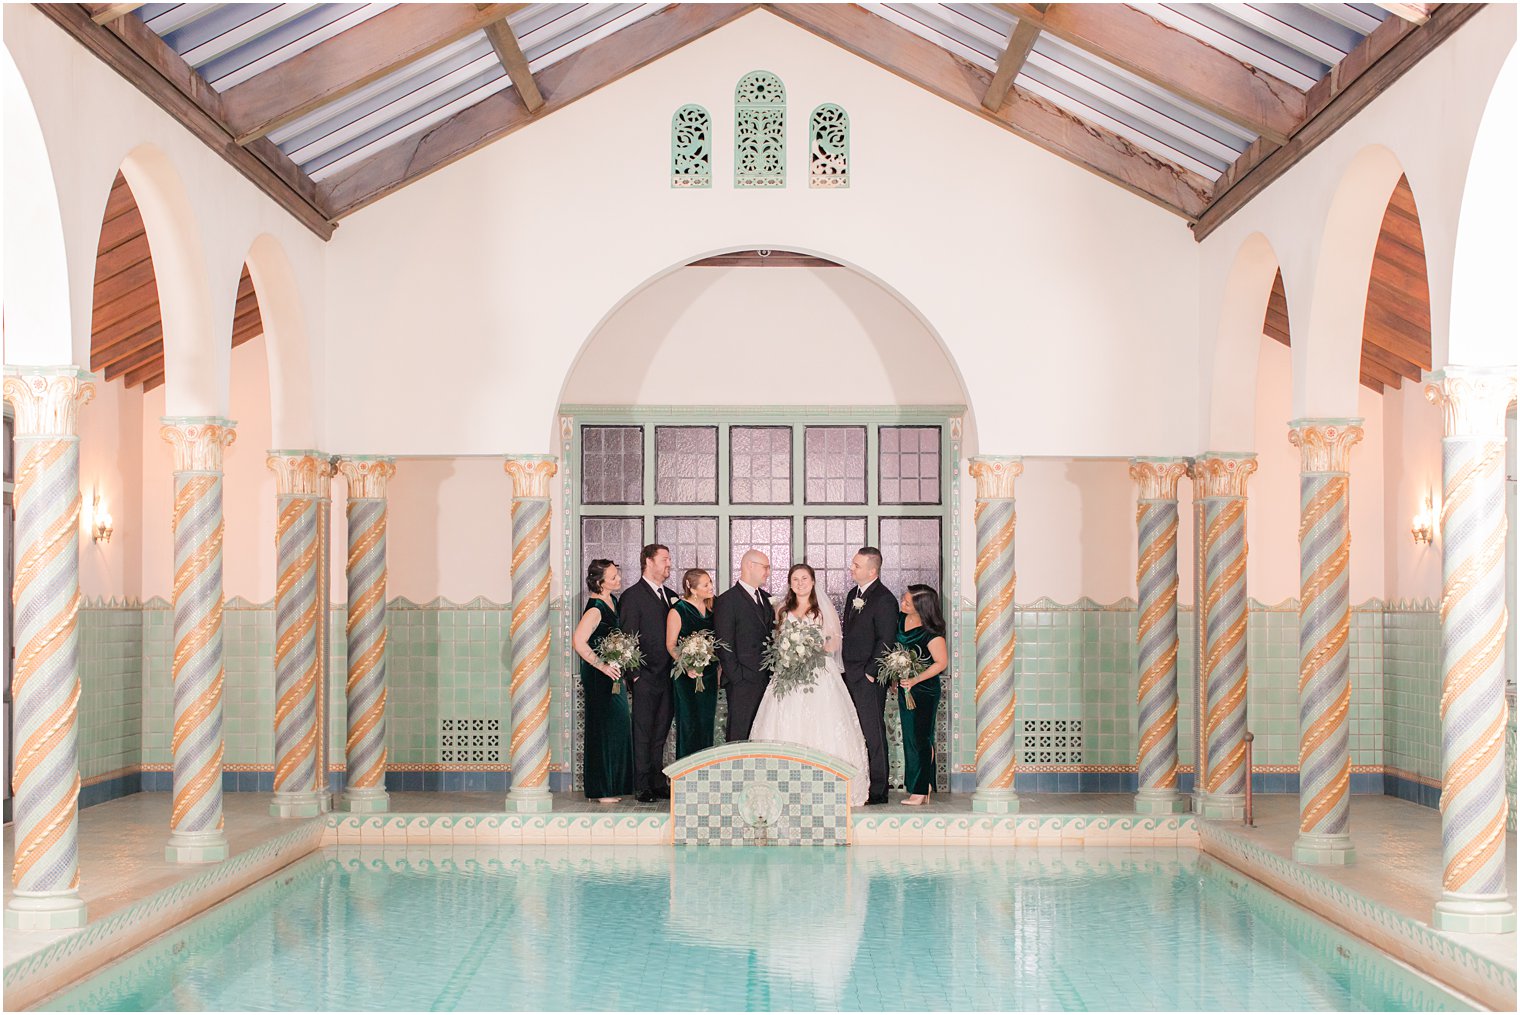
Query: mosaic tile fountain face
{"points": [[729, 797]]}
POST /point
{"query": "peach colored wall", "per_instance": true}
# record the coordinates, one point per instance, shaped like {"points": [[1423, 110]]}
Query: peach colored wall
{"points": [[449, 529], [110, 461], [1413, 470]]}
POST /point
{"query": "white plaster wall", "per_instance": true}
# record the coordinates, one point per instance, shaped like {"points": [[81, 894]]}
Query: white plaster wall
{"points": [[449, 530], [1412, 455], [1064, 302], [111, 462]]}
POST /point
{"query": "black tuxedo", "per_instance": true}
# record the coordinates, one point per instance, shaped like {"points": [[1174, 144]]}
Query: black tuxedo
{"points": [[870, 631], [743, 625], [642, 612]]}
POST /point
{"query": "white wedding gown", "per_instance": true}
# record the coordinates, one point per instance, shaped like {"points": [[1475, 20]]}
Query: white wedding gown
{"points": [[821, 716]]}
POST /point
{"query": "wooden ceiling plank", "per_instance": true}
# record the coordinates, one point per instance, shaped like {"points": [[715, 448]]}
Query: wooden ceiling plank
{"points": [[104, 14], [1365, 73], [1397, 335], [131, 49], [1399, 255], [106, 315], [131, 361], [572, 78], [152, 382], [964, 84], [1020, 42], [1367, 382], [348, 61], [1395, 275], [128, 228], [111, 287], [1416, 13], [105, 335], [1383, 375], [1408, 306], [510, 53], [139, 374], [1171, 59], [1393, 361], [106, 355]]}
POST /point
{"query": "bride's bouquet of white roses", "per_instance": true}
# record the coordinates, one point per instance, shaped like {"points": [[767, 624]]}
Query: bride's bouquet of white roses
{"points": [[902, 663], [620, 649], [793, 654], [695, 653]]}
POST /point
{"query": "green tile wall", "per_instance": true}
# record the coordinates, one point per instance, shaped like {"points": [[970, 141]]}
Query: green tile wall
{"points": [[110, 677], [158, 682], [1412, 691]]}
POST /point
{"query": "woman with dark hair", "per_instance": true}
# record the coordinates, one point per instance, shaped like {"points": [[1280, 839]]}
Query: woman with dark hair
{"points": [[921, 630], [609, 733], [696, 711]]}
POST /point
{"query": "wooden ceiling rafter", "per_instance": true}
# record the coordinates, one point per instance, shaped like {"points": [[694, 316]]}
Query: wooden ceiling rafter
{"points": [[1020, 43], [510, 55]]}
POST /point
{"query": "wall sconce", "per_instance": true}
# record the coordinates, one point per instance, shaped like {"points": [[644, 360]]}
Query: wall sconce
{"points": [[1423, 529], [100, 524]]}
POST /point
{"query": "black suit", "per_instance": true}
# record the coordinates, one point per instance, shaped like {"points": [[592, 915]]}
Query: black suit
{"points": [[743, 625], [869, 633], [642, 612]]}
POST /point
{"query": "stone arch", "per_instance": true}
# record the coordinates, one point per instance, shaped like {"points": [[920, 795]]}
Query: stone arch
{"points": [[1243, 313], [287, 343]]}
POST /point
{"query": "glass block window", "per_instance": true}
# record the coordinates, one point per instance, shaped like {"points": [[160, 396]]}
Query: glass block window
{"points": [[771, 536], [686, 465], [691, 148], [616, 539], [693, 542], [911, 553], [909, 465], [760, 465], [612, 465], [829, 147], [829, 544], [835, 460], [760, 131]]}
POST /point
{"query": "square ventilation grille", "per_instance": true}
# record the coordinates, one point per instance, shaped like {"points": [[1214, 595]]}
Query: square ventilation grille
{"points": [[473, 741], [1052, 742]]}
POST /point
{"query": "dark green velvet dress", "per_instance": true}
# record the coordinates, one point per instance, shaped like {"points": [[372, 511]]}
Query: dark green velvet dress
{"points": [[609, 733], [695, 710], [918, 722]]}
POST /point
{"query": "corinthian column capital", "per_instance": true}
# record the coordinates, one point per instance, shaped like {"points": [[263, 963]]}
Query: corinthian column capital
{"points": [[1473, 400], [1158, 476], [994, 476], [1222, 475], [367, 475], [198, 441], [1325, 444], [47, 399], [530, 475], [301, 473]]}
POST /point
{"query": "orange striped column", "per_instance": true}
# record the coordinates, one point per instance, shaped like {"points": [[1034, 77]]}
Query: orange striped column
{"points": [[366, 749], [530, 631], [195, 821], [302, 483], [45, 686], [1474, 712], [1324, 639], [995, 692]]}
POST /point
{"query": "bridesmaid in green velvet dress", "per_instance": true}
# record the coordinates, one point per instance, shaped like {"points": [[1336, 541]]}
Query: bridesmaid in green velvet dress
{"points": [[922, 629], [609, 733], [695, 710]]}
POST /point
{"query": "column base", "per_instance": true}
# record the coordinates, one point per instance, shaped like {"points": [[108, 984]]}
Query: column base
{"points": [[534, 800], [1223, 807], [196, 847], [295, 805], [58, 910], [325, 799], [995, 801], [1160, 801], [1314, 848], [1468, 914], [366, 801]]}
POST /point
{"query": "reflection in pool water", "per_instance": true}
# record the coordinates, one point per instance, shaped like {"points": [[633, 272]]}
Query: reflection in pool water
{"points": [[866, 928]]}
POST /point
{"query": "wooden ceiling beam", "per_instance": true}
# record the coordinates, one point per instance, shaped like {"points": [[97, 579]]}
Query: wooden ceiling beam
{"points": [[1020, 42], [348, 61], [575, 77], [1135, 41], [1385, 376], [1364, 74], [1367, 382], [510, 53], [152, 382], [131, 49], [152, 368], [1392, 360], [1415, 13], [964, 84], [104, 14]]}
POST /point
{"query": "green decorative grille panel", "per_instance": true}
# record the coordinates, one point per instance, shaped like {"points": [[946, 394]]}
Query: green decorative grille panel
{"points": [[760, 131], [691, 147], [829, 147]]}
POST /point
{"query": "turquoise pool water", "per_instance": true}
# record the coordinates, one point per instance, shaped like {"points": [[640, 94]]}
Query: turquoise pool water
{"points": [[865, 928]]}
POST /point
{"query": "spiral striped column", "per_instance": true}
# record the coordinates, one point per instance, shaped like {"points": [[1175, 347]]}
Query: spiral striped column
{"points": [[1324, 639], [530, 631], [1474, 712], [45, 686], [995, 693], [195, 819], [301, 483], [1156, 640], [366, 688], [1220, 482]]}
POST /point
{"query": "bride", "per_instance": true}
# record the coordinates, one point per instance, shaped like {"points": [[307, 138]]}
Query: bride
{"points": [[821, 716]]}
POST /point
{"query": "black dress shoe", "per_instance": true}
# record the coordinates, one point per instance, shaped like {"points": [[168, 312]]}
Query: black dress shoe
{"points": [[663, 793], [873, 801], [647, 797]]}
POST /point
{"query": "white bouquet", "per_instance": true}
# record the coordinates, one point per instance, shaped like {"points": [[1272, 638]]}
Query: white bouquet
{"points": [[695, 653], [902, 663], [793, 654], [620, 649]]}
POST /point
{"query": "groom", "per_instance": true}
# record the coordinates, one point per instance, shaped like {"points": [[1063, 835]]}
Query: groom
{"points": [[742, 619], [642, 612], [870, 631]]}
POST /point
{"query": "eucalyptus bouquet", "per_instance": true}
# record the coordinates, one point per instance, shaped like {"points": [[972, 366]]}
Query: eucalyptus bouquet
{"points": [[902, 663], [793, 654], [620, 649], [695, 653]]}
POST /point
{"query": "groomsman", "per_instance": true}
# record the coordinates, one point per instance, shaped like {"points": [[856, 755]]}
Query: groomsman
{"points": [[641, 612], [742, 619], [870, 631]]}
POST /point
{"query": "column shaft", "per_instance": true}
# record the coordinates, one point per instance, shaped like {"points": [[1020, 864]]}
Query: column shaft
{"points": [[366, 689], [995, 638], [1156, 637], [45, 688], [196, 821], [530, 632]]}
